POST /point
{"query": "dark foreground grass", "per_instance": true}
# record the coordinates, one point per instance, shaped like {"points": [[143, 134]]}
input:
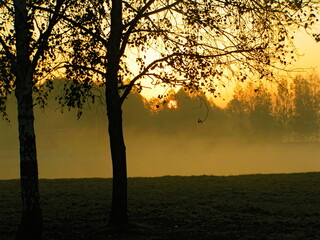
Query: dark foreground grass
{"points": [[257, 207]]}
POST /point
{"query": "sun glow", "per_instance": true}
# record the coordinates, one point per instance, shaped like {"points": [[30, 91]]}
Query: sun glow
{"points": [[172, 104]]}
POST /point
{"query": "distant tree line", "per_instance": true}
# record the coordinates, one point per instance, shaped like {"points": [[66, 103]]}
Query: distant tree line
{"points": [[288, 112]]}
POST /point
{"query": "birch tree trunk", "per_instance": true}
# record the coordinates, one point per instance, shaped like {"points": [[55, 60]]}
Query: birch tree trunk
{"points": [[31, 219]]}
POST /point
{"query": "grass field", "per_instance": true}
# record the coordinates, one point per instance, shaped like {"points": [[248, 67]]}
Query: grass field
{"points": [[257, 207]]}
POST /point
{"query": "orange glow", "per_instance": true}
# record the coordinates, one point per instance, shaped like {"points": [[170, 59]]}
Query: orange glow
{"points": [[172, 104]]}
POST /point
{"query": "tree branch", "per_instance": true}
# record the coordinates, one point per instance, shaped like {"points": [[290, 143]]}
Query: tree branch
{"points": [[76, 24], [43, 39], [84, 68], [9, 54], [162, 9], [191, 55], [139, 16], [132, 25]]}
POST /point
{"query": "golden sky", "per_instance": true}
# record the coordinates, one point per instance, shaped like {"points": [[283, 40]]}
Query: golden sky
{"points": [[308, 60], [309, 51]]}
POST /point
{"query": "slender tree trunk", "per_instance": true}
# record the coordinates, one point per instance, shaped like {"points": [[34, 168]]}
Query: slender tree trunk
{"points": [[31, 219], [118, 215]]}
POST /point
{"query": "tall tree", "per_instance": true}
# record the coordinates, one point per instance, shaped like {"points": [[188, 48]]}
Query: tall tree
{"points": [[24, 45], [196, 45]]}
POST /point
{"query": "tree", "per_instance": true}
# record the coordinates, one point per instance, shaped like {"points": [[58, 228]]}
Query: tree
{"points": [[306, 105], [284, 104], [251, 108], [261, 118], [239, 108], [24, 47], [196, 45]]}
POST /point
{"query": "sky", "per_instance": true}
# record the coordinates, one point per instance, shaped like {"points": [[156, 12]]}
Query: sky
{"points": [[309, 50], [308, 60], [172, 143]]}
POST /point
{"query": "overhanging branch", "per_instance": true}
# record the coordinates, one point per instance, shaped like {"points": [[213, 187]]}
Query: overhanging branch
{"points": [[132, 25], [190, 55], [43, 39]]}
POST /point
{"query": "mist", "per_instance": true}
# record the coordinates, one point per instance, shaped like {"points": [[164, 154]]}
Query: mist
{"points": [[168, 142]]}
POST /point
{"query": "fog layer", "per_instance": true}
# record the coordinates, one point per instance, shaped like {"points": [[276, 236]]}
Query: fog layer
{"points": [[170, 142]]}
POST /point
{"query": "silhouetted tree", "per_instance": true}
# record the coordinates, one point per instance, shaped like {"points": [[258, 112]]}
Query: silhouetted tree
{"points": [[24, 48], [192, 44]]}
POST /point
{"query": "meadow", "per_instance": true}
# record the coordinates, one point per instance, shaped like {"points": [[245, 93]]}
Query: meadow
{"points": [[256, 207]]}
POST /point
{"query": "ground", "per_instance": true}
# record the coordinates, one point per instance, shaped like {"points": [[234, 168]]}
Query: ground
{"points": [[257, 207]]}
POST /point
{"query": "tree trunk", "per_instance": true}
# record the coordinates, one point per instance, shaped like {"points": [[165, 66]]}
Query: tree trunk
{"points": [[31, 218], [118, 215]]}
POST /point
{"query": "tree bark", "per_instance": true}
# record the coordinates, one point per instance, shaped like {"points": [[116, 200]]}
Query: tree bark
{"points": [[31, 218], [118, 215]]}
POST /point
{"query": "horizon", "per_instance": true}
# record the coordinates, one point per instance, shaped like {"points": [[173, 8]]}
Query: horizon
{"points": [[178, 176]]}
